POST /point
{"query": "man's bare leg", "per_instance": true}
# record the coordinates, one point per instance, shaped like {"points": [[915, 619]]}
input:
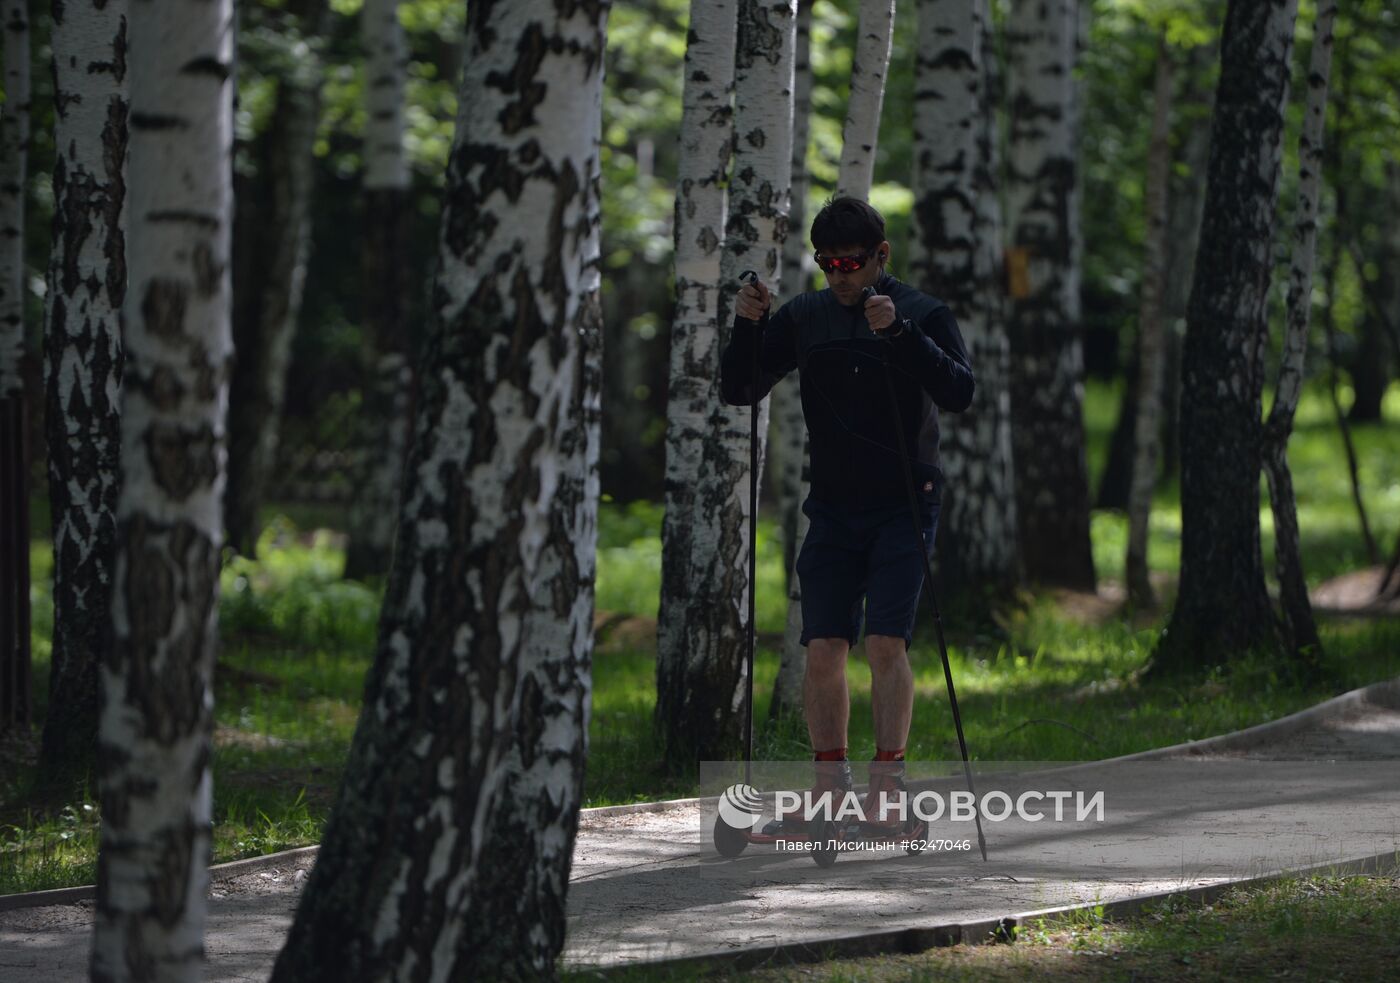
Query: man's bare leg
{"points": [[824, 693], [891, 690], [892, 705]]}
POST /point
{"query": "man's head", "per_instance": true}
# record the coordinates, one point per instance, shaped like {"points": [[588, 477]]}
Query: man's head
{"points": [[849, 237]]}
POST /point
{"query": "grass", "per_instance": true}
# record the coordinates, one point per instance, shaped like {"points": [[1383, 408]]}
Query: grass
{"points": [[1042, 683], [1315, 928]]}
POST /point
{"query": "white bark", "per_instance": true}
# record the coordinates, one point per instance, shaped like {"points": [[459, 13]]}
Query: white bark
{"points": [[83, 354], [1147, 425], [700, 665], [1300, 274], [157, 698], [707, 133], [861, 131], [955, 255], [386, 76], [787, 426], [14, 163], [1292, 584], [497, 442]]}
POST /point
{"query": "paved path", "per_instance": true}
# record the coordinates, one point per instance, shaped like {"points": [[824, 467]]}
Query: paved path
{"points": [[649, 886]]}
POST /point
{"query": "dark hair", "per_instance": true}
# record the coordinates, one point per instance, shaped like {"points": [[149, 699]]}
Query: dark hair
{"points": [[847, 222]]}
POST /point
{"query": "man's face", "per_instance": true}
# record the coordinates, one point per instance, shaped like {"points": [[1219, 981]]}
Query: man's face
{"points": [[847, 287]]}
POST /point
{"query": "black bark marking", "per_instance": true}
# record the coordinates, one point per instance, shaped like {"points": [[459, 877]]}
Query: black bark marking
{"points": [[164, 389], [156, 121], [208, 270], [204, 220], [182, 460], [163, 309], [206, 65]]}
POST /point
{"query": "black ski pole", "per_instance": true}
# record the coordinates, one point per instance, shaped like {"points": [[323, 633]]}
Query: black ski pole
{"points": [[866, 294], [749, 276]]}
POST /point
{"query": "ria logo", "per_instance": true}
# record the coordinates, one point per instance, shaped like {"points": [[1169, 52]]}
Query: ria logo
{"points": [[741, 806]]}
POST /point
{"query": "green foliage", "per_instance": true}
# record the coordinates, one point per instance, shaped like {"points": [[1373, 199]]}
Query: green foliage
{"points": [[629, 564], [296, 594]]}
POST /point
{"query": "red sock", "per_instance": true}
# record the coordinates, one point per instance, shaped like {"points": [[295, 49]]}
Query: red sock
{"points": [[832, 754], [882, 755]]}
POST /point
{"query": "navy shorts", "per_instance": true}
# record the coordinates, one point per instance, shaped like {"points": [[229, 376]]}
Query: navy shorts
{"points": [[863, 565]]}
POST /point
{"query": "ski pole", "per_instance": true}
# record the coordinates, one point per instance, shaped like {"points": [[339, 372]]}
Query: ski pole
{"points": [[866, 294]]}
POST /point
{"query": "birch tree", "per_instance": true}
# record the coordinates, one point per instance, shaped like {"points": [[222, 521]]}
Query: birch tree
{"points": [[861, 131], [707, 138], [955, 253], [155, 681], [14, 463], [1047, 358], [272, 243], [704, 601], [787, 440], [475, 703], [386, 183], [1222, 607], [1293, 587], [1147, 420], [787, 431], [83, 366]]}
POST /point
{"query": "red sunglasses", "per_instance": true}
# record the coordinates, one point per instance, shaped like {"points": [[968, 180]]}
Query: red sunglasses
{"points": [[842, 264]]}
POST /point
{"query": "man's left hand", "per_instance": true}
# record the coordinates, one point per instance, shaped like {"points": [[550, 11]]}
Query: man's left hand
{"points": [[879, 313]]}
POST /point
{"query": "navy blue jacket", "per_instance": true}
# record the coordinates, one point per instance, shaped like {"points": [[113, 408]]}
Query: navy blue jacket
{"points": [[841, 363]]}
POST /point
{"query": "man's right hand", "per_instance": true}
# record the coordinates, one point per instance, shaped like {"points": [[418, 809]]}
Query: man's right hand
{"points": [[753, 301]]}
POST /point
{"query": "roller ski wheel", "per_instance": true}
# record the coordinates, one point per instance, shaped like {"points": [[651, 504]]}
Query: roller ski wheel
{"points": [[917, 838], [824, 843], [729, 842]]}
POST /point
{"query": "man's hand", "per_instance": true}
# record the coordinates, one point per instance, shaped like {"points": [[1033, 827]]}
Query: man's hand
{"points": [[753, 301], [879, 312]]}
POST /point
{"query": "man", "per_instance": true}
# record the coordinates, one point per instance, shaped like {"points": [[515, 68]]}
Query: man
{"points": [[859, 557]]}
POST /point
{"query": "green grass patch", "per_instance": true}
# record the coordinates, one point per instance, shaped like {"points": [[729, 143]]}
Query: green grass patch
{"points": [[1315, 928]]}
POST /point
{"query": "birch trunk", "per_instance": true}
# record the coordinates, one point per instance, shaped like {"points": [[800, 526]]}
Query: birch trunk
{"points": [[476, 701], [954, 253], [707, 136], [1293, 586], [524, 877], [83, 362], [14, 458], [788, 427], [384, 422], [273, 240], [704, 601], [1147, 424], [1047, 358], [155, 681], [860, 134], [1222, 608]]}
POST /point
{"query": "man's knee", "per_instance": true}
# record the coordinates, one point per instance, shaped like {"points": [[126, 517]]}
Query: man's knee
{"points": [[826, 656], [885, 651]]}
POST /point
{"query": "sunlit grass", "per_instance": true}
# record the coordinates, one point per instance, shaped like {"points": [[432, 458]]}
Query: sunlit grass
{"points": [[1316, 928]]}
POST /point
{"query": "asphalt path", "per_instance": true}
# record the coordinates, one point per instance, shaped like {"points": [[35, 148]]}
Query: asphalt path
{"points": [[649, 885]]}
